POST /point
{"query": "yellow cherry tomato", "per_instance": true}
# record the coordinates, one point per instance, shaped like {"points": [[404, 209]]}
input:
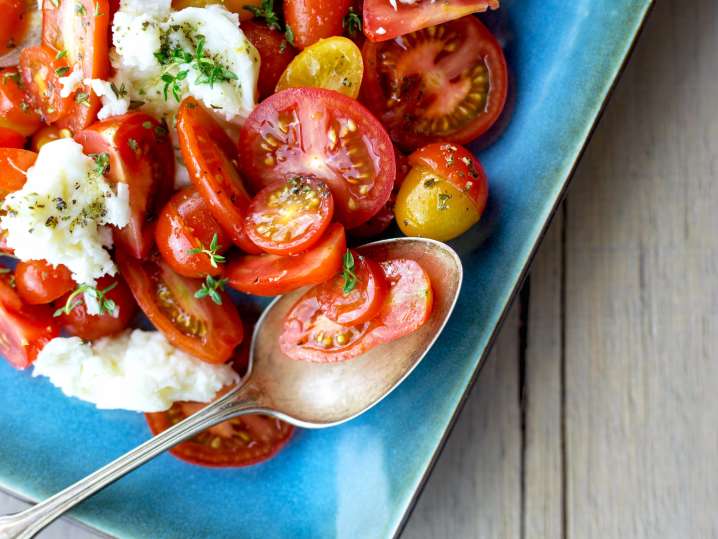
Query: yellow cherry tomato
{"points": [[48, 134], [431, 207], [237, 6], [334, 63]]}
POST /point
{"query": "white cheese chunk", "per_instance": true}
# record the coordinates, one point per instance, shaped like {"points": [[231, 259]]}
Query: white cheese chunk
{"points": [[62, 212], [70, 82], [136, 370]]}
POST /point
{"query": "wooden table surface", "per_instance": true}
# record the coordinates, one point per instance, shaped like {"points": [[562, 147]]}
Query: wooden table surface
{"points": [[595, 415]]}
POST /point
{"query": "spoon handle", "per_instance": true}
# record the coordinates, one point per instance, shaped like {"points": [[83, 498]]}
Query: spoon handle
{"points": [[26, 524]]}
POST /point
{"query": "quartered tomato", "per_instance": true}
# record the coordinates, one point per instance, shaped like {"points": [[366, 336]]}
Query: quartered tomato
{"points": [[13, 23], [334, 63], [16, 113], [38, 282], [48, 134], [310, 335], [11, 139], [141, 156], [312, 20], [288, 217], [41, 69], [444, 194], [326, 135], [385, 20], [89, 327], [78, 31], [13, 165], [443, 83], [356, 296], [24, 329], [209, 155], [201, 328], [270, 275], [242, 441], [188, 236], [275, 52]]}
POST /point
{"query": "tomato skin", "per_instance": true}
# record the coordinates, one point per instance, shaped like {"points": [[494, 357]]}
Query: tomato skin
{"points": [[11, 139], [312, 20], [48, 134], [90, 327], [24, 329], [13, 24], [145, 165], [39, 71], [184, 224], [38, 282], [423, 95], [15, 111], [275, 52], [201, 328], [406, 308], [323, 134], [271, 275], [208, 154], [13, 165], [383, 22], [296, 213]]}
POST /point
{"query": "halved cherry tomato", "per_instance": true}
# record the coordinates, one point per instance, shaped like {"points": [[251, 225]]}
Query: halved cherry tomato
{"points": [[41, 70], [16, 113], [309, 335], [243, 441], [334, 63], [11, 139], [208, 153], [188, 236], [79, 30], [288, 217], [13, 23], [312, 20], [384, 20], [200, 327], [38, 282], [89, 327], [141, 156], [350, 300], [48, 134], [13, 166], [270, 275], [274, 50], [24, 329], [444, 194], [326, 135], [443, 83]]}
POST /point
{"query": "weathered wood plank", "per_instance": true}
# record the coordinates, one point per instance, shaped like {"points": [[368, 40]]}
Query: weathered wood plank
{"points": [[642, 295], [475, 489]]}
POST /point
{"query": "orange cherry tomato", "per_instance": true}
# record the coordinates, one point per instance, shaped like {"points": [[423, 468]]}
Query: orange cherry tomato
{"points": [[275, 52], [41, 69], [39, 283], [11, 139], [13, 166], [312, 20]]}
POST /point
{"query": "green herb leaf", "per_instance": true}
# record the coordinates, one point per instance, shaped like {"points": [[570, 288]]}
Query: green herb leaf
{"points": [[289, 35], [82, 98], [265, 11], [211, 289], [350, 278], [214, 258], [102, 162], [352, 23], [62, 71], [61, 54], [107, 306]]}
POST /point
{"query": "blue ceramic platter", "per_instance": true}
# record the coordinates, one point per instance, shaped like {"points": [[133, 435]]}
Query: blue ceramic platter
{"points": [[360, 479]]}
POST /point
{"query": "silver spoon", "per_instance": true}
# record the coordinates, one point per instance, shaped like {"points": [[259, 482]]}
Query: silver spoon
{"points": [[310, 395]]}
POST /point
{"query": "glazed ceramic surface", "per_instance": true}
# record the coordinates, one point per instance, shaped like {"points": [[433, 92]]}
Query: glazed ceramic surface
{"points": [[357, 480]]}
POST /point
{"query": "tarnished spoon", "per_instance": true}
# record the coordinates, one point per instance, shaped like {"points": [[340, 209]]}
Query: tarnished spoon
{"points": [[310, 395]]}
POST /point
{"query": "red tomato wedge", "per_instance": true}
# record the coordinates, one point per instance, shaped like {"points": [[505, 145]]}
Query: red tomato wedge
{"points": [[200, 327], [78, 31], [290, 216], [383, 21], [270, 275], [323, 134], [209, 156], [41, 70], [24, 329], [141, 156], [38, 282], [16, 113], [243, 441], [11, 139], [13, 23], [312, 20], [188, 236], [275, 52], [309, 335], [13, 166], [89, 327], [443, 83]]}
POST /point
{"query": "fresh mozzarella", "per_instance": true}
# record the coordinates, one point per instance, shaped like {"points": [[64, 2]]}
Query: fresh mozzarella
{"points": [[136, 370], [70, 83], [62, 213]]}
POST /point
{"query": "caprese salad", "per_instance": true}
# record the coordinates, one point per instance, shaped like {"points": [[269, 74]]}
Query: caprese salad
{"points": [[155, 154]]}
